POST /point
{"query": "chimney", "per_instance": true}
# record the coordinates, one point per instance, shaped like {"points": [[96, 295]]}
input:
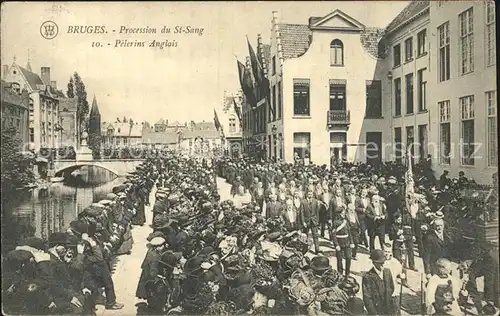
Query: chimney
{"points": [[45, 75], [53, 84], [5, 69]]}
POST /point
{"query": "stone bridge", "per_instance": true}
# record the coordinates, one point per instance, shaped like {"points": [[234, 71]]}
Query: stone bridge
{"points": [[119, 167]]}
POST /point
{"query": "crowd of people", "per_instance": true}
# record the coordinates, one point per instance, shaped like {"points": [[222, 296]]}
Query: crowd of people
{"points": [[253, 253], [66, 274]]}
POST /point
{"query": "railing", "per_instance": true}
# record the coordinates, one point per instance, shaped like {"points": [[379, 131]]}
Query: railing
{"points": [[339, 117]]}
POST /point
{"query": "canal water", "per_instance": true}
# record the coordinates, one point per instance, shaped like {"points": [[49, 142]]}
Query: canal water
{"points": [[42, 212]]}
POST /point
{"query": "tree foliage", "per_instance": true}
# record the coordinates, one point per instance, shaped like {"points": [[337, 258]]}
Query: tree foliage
{"points": [[17, 168], [94, 131], [71, 88], [82, 105]]}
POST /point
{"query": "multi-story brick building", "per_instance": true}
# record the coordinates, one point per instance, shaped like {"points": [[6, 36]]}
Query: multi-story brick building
{"points": [[44, 119], [15, 110]]}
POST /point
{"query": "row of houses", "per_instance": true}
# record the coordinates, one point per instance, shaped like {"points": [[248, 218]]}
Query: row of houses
{"points": [[41, 114], [344, 91], [190, 137]]}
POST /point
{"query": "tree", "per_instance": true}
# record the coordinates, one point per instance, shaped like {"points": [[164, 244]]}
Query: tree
{"points": [[82, 109], [17, 169], [71, 92]]}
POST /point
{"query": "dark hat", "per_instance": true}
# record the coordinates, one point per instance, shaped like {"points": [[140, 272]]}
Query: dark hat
{"points": [[79, 227], [320, 263], [19, 256], [72, 240], [350, 285], [273, 236], [34, 242], [58, 238], [377, 255], [155, 234], [207, 251]]}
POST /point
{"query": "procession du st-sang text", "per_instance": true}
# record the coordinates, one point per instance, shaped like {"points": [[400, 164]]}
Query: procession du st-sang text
{"points": [[75, 29]]}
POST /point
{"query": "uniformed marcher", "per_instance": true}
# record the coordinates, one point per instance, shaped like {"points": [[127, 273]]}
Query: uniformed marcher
{"points": [[341, 237]]}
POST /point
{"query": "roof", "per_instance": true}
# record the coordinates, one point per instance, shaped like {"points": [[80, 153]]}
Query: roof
{"points": [[149, 137], [204, 126], [406, 15], [176, 123], [68, 104], [33, 79], [11, 97], [124, 129], [347, 22], [295, 39], [95, 108], [211, 134], [373, 41]]}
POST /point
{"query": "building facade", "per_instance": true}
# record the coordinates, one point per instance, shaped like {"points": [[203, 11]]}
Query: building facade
{"points": [[69, 133], [326, 91], [463, 88], [232, 125], [254, 116], [44, 119], [15, 110], [406, 83], [443, 85], [121, 134]]}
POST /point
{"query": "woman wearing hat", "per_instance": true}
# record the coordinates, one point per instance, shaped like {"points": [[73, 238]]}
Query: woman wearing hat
{"points": [[150, 265]]}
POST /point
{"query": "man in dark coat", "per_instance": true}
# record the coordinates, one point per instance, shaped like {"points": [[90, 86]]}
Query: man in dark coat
{"points": [[99, 269], [378, 286], [150, 266], [309, 217], [376, 220], [274, 208], [437, 245], [236, 185]]}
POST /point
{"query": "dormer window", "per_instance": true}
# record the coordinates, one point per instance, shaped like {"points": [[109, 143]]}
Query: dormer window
{"points": [[336, 53]]}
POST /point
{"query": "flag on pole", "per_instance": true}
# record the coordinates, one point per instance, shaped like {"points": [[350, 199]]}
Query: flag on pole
{"points": [[218, 126], [237, 110], [260, 76], [409, 182], [246, 84]]}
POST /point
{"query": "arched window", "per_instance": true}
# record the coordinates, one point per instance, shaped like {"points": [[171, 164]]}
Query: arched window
{"points": [[336, 53]]}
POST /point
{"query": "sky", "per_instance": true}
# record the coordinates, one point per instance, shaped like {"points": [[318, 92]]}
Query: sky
{"points": [[178, 83]]}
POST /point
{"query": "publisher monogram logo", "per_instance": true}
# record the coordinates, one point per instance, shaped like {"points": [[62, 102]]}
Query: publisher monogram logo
{"points": [[49, 30]]}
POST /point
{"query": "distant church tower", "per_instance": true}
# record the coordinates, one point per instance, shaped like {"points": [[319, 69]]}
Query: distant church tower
{"points": [[94, 132]]}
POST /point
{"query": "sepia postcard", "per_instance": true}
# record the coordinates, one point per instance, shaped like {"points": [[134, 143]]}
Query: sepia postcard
{"points": [[249, 157]]}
